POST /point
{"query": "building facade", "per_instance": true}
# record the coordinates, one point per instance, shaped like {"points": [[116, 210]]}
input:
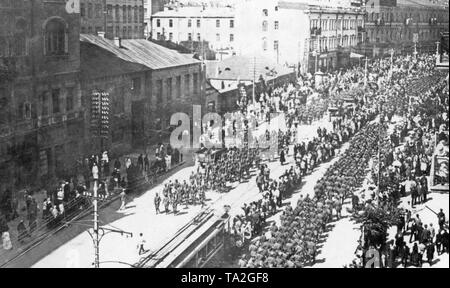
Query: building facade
{"points": [[328, 31], [146, 83], [151, 7], [404, 25], [215, 25], [121, 18], [41, 122]]}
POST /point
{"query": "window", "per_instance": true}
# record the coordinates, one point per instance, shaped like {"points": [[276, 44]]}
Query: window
{"points": [[189, 23], [169, 88], [170, 36], [124, 14], [24, 111], [55, 100], [56, 37], [195, 82], [89, 11], [264, 26], [130, 19], [276, 8], [170, 23], [20, 41], [275, 45], [189, 36], [231, 23], [217, 23], [118, 103], [45, 103], [217, 37], [178, 83], [199, 37], [158, 22], [187, 83], [231, 37], [142, 12], [136, 14], [82, 10], [264, 44], [136, 86], [277, 25], [98, 10], [198, 23], [265, 12], [159, 91], [117, 12], [70, 99]]}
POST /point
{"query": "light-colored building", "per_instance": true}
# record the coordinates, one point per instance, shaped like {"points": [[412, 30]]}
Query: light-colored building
{"points": [[151, 7], [399, 24], [121, 18], [215, 25], [292, 31]]}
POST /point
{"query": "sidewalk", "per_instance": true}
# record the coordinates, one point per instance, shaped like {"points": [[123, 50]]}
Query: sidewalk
{"points": [[42, 230]]}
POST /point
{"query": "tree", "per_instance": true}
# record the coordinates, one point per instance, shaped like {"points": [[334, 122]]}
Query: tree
{"points": [[376, 221]]}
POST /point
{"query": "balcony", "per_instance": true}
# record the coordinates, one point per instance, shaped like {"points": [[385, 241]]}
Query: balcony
{"points": [[315, 31], [379, 22]]}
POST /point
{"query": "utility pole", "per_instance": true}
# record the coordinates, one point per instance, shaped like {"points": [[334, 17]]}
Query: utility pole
{"points": [[95, 236], [317, 61], [366, 72], [437, 52], [392, 64], [254, 78]]}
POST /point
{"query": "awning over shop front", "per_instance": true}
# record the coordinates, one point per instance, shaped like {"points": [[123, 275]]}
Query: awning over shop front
{"points": [[356, 55]]}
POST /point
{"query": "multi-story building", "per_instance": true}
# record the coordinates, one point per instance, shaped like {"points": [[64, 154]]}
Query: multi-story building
{"points": [[215, 25], [146, 84], [151, 7], [300, 33], [41, 119], [121, 18], [405, 25]]}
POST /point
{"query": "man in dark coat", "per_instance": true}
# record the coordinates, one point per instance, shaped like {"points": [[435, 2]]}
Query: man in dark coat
{"points": [[22, 231], [430, 253], [141, 162]]}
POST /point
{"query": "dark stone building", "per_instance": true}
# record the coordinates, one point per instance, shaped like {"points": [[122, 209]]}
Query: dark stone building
{"points": [[42, 118], [146, 84]]}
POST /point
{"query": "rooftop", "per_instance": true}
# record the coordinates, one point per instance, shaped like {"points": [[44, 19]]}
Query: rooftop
{"points": [[142, 52], [424, 3]]}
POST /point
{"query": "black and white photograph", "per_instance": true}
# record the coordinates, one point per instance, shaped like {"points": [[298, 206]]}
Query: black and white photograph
{"points": [[235, 134]]}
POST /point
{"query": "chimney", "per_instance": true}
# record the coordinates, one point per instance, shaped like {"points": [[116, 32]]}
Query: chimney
{"points": [[101, 34], [118, 42]]}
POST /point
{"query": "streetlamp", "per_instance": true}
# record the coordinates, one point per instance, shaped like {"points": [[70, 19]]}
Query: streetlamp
{"points": [[392, 63], [365, 72], [316, 54]]}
